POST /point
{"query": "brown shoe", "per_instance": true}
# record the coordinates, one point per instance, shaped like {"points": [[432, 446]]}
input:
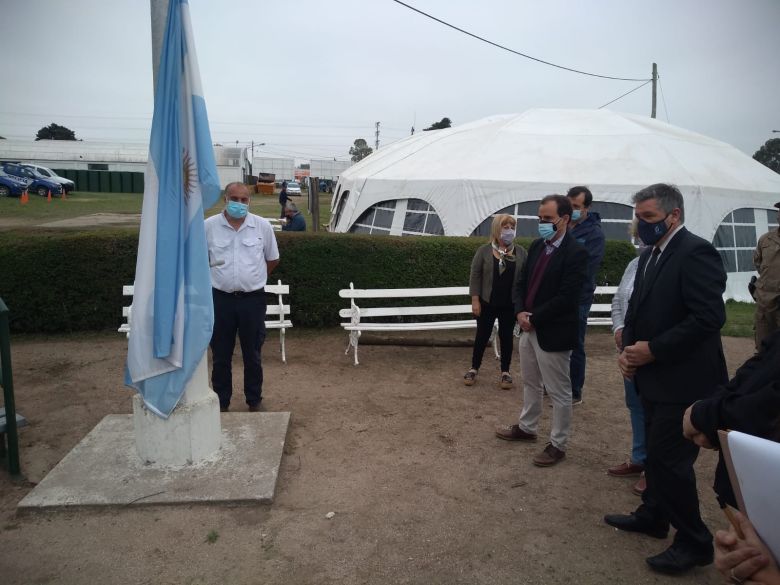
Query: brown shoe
{"points": [[549, 457], [514, 433], [640, 486], [506, 381], [257, 407], [470, 377], [626, 469], [224, 408]]}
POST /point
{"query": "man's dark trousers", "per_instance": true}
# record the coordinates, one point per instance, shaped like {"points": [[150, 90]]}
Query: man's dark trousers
{"points": [[577, 361], [671, 494], [245, 314]]}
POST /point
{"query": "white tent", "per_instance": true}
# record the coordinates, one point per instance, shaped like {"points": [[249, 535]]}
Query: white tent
{"points": [[452, 181]]}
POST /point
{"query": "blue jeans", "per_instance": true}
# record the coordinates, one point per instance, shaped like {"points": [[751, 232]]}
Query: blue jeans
{"points": [[637, 414], [577, 364]]}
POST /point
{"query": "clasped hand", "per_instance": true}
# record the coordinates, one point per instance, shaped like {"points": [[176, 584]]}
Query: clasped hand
{"points": [[524, 320], [633, 357]]}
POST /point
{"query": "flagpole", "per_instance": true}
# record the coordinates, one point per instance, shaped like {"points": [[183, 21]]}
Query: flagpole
{"points": [[193, 431]]}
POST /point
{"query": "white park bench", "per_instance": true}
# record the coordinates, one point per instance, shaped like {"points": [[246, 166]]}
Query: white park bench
{"points": [[279, 310], [600, 314], [275, 223], [356, 325]]}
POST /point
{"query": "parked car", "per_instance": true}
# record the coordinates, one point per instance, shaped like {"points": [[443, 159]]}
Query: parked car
{"points": [[293, 188], [46, 173], [35, 184], [11, 186]]}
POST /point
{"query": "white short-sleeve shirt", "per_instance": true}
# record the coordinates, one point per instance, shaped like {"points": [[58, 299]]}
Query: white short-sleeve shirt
{"points": [[240, 254]]}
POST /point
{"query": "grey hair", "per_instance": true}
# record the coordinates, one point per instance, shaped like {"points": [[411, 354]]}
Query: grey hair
{"points": [[233, 184], [291, 206], [668, 197]]}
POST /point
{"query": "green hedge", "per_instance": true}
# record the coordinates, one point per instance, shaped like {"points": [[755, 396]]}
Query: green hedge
{"points": [[63, 282]]}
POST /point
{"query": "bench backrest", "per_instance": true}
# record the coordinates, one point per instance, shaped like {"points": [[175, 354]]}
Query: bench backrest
{"points": [[279, 309]]}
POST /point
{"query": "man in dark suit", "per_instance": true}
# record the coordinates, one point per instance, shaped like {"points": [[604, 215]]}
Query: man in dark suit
{"points": [[546, 306], [672, 350]]}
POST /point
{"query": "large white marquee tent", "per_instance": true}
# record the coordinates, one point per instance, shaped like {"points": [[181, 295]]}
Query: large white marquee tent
{"points": [[451, 182]]}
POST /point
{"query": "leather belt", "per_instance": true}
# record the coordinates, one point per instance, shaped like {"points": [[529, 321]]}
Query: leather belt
{"points": [[241, 293]]}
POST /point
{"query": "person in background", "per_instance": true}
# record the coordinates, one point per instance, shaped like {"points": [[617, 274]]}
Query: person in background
{"points": [[494, 272], [585, 227], [242, 253], [672, 350], [283, 198], [546, 309], [766, 259], [294, 220], [635, 466]]}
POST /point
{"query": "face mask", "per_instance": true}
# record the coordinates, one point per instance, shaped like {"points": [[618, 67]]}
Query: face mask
{"points": [[237, 210], [650, 233], [546, 230], [507, 236], [576, 215]]}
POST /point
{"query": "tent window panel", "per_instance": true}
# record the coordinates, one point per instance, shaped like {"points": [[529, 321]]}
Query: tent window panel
{"points": [[744, 215], [529, 208], [414, 222], [507, 210], [360, 229], [526, 228], [613, 210], [379, 232], [771, 218], [386, 204], [729, 218], [745, 261], [383, 218], [729, 260], [433, 225], [483, 229], [417, 205], [616, 230], [745, 236], [724, 237]]}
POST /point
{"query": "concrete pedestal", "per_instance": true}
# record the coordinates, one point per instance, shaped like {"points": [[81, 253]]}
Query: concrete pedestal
{"points": [[191, 434]]}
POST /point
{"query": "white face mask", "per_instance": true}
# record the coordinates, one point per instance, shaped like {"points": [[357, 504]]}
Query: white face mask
{"points": [[507, 236]]}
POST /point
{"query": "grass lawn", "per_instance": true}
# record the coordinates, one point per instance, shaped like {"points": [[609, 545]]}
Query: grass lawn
{"points": [[78, 203], [739, 319]]}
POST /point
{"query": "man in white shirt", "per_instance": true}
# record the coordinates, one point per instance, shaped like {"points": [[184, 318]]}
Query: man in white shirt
{"points": [[242, 253]]}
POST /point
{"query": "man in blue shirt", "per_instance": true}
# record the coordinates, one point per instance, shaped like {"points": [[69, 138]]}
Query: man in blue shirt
{"points": [[295, 220], [585, 227]]}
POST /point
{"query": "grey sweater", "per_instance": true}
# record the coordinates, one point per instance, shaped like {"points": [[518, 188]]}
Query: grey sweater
{"points": [[481, 277]]}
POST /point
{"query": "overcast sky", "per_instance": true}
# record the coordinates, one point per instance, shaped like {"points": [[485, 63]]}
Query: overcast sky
{"points": [[307, 77]]}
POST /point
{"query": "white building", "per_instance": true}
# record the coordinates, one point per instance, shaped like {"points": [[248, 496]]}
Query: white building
{"points": [[453, 181]]}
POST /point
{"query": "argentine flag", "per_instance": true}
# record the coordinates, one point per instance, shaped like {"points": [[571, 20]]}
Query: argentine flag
{"points": [[173, 315]]}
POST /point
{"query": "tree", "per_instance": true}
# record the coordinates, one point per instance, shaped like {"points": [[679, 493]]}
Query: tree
{"points": [[445, 123], [360, 150], [769, 154], [55, 132]]}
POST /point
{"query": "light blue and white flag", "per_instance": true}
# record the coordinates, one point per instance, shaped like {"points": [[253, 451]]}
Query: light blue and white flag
{"points": [[173, 315]]}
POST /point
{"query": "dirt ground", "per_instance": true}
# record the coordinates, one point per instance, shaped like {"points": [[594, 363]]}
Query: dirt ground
{"points": [[397, 447]]}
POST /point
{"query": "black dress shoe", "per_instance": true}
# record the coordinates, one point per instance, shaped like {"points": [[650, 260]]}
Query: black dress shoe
{"points": [[630, 523], [675, 560]]}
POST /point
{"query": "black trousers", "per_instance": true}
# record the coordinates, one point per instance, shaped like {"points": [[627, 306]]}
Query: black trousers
{"points": [[506, 325], [245, 315], [671, 495]]}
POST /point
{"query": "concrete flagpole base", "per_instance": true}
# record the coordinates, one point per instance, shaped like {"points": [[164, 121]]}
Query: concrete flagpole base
{"points": [[191, 434]]}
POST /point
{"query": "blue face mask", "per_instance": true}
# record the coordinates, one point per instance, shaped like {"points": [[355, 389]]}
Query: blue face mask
{"points": [[650, 233], [237, 210], [546, 230], [576, 215]]}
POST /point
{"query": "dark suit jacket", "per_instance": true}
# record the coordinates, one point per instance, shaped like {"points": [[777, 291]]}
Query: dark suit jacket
{"points": [[680, 312], [556, 305]]}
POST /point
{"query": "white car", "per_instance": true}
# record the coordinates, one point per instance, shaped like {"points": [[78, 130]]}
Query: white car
{"points": [[293, 188], [46, 173]]}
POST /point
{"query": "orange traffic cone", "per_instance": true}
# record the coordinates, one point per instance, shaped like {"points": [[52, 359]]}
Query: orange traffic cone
{"points": [[24, 198], [48, 197], [63, 193]]}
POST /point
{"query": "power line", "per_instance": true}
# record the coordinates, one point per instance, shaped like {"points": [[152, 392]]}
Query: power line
{"points": [[663, 99], [625, 94], [484, 40]]}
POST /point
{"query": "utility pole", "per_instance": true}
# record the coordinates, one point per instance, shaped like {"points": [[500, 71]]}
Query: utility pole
{"points": [[655, 86], [376, 142]]}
